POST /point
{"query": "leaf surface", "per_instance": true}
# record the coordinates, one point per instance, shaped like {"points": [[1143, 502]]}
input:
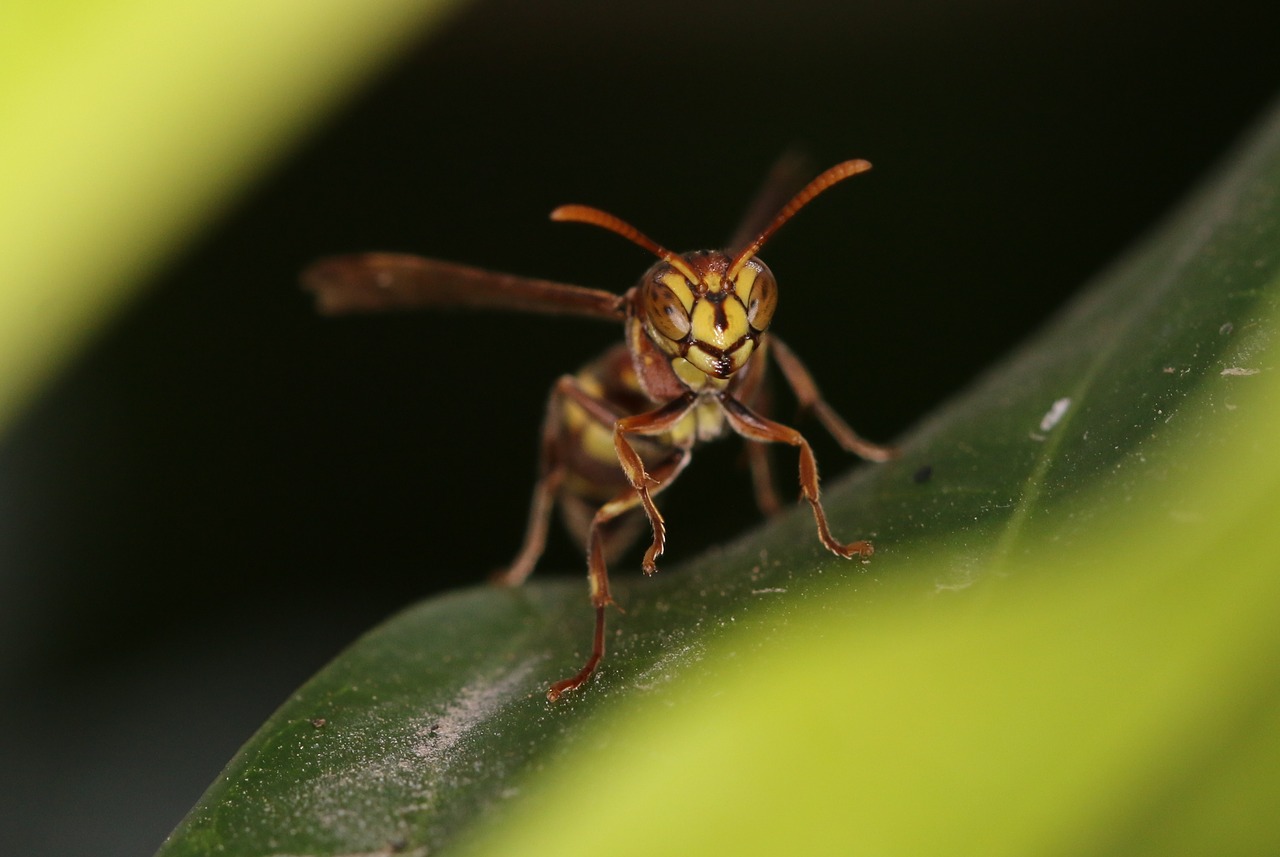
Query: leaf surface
{"points": [[1065, 641]]}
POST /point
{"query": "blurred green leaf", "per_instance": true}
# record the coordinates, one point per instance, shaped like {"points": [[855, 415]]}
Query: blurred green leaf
{"points": [[1066, 641], [128, 123]]}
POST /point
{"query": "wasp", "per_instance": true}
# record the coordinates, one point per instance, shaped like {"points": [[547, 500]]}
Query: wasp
{"points": [[623, 428]]}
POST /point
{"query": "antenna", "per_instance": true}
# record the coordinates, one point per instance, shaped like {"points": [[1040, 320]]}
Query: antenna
{"points": [[838, 173], [605, 220]]}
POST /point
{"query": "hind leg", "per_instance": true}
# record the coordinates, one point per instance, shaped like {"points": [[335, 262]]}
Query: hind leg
{"points": [[551, 473], [810, 397]]}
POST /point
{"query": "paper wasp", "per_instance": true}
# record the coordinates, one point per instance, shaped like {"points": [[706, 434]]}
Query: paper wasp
{"points": [[623, 428]]}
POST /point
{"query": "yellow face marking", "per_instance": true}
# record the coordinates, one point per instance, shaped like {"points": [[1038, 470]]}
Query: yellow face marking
{"points": [[703, 361], [742, 354], [679, 286], [694, 378], [704, 323], [716, 370], [691, 376], [745, 280]]}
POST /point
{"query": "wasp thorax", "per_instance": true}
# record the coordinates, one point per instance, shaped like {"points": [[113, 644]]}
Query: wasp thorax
{"points": [[706, 322]]}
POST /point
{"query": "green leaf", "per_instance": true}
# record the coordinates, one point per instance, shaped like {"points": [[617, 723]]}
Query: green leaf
{"points": [[1066, 641], [129, 123]]}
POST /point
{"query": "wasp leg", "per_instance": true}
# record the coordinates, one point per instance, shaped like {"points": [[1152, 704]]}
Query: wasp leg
{"points": [[762, 485], [753, 392], [806, 390], [550, 475], [598, 571], [657, 421], [752, 426], [563, 686], [535, 536]]}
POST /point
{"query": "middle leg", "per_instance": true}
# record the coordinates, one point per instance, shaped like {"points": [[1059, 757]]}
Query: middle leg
{"points": [[597, 569]]}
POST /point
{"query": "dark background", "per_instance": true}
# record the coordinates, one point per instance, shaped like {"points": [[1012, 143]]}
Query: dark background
{"points": [[225, 490]]}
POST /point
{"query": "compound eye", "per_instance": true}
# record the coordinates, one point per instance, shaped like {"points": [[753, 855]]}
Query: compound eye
{"points": [[665, 312], [762, 301]]}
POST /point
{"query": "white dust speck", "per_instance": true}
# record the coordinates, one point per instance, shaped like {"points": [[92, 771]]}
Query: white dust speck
{"points": [[1055, 414], [671, 662], [1238, 371], [1052, 417]]}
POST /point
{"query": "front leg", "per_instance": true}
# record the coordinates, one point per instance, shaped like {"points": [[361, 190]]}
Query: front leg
{"points": [[658, 421], [810, 398], [654, 422], [752, 426]]}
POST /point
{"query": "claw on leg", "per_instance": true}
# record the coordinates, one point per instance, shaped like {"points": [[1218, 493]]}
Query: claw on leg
{"points": [[583, 675]]}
